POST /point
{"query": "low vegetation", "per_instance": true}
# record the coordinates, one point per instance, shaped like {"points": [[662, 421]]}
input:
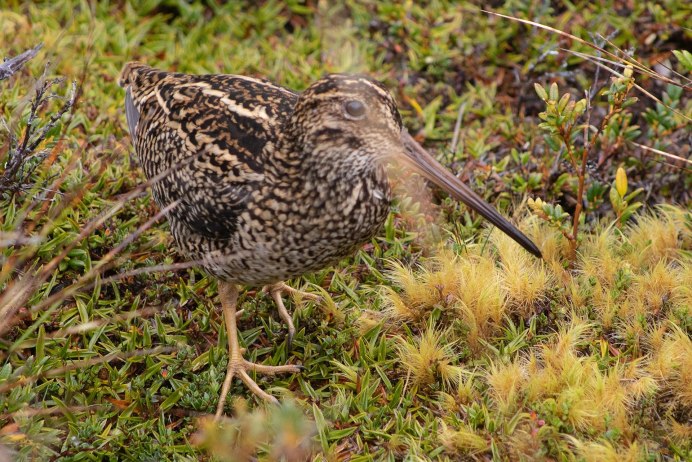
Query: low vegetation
{"points": [[441, 339]]}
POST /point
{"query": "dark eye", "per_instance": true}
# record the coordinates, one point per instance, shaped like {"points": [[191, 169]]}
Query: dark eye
{"points": [[355, 109]]}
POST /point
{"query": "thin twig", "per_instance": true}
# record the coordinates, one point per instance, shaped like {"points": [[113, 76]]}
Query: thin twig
{"points": [[457, 127], [22, 160], [635, 64], [10, 66], [663, 153]]}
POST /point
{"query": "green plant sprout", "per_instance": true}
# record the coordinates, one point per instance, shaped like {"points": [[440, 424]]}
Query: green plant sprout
{"points": [[561, 123]]}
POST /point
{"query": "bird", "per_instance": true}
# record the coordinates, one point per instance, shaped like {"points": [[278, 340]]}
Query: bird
{"points": [[264, 184]]}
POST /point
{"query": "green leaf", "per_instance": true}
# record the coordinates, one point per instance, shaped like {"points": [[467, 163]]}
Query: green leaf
{"points": [[685, 58], [629, 101], [580, 106], [562, 104], [553, 142], [629, 211], [201, 361], [554, 95], [430, 114], [66, 410], [41, 343], [540, 91], [633, 194], [321, 423], [615, 198], [343, 433], [173, 398]]}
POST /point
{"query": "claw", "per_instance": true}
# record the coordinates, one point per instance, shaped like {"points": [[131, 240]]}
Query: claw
{"points": [[276, 291]]}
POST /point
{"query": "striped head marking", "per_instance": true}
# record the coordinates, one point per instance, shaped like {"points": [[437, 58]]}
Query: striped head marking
{"points": [[347, 110]]}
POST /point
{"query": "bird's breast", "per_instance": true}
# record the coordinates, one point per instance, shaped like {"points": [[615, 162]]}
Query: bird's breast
{"points": [[333, 216], [289, 233], [289, 229]]}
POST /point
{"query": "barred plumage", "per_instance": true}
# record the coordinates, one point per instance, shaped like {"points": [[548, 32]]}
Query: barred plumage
{"points": [[270, 184], [252, 190]]}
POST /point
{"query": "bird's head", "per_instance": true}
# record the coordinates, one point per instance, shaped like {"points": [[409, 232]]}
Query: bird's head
{"points": [[348, 116], [351, 122]]}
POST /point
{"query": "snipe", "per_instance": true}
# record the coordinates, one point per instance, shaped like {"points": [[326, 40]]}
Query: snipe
{"points": [[269, 184]]}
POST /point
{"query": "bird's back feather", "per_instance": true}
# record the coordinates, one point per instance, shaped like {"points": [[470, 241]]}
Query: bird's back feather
{"points": [[207, 135]]}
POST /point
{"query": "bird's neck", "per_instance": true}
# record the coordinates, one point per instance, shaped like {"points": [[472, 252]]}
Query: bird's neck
{"points": [[284, 160], [299, 159], [330, 171]]}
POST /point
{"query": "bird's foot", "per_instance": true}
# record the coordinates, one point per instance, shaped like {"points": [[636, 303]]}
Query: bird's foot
{"points": [[239, 367], [285, 289], [279, 289]]}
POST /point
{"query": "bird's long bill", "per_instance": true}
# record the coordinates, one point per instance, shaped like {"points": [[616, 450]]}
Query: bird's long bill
{"points": [[427, 166]]}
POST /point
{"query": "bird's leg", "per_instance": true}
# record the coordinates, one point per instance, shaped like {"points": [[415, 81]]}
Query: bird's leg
{"points": [[276, 291], [236, 363]]}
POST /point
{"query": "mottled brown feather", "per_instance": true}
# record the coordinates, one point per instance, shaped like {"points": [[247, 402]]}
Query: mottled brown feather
{"points": [[270, 184]]}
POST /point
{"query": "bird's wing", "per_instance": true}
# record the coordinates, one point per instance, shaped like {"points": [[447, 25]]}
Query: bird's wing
{"points": [[205, 135], [132, 114]]}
